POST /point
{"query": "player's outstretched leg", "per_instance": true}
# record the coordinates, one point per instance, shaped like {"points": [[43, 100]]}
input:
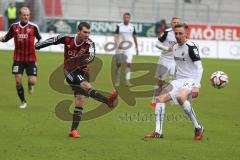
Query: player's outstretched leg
{"points": [[99, 97], [91, 92], [191, 114]]}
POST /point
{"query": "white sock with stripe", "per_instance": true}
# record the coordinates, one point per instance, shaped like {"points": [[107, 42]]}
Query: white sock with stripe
{"points": [[159, 112], [191, 114]]}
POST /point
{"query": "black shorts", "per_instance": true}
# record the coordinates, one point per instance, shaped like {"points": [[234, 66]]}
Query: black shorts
{"points": [[30, 67], [75, 78]]}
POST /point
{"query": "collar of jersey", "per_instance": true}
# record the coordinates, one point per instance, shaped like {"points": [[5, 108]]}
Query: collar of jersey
{"points": [[76, 42], [21, 25]]}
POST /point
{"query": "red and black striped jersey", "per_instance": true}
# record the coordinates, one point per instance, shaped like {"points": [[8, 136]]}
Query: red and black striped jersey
{"points": [[76, 56], [24, 38]]}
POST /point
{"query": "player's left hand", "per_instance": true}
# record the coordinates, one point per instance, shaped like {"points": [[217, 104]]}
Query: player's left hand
{"points": [[195, 92]]}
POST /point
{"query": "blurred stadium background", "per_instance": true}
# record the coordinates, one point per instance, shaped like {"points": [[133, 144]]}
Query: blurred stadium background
{"points": [[191, 11], [214, 24]]}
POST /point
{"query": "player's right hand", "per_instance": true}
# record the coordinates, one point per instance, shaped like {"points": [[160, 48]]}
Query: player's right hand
{"points": [[170, 49], [2, 38], [36, 46]]}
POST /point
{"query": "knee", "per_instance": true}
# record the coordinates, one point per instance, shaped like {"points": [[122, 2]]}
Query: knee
{"points": [[161, 99], [86, 86], [181, 99], [32, 81], [18, 82]]}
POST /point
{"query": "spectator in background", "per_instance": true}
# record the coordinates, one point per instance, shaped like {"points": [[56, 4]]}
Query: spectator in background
{"points": [[51, 28], [160, 27], [11, 13], [187, 1], [192, 1]]}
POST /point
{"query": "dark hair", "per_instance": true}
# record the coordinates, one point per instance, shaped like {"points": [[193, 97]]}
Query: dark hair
{"points": [[175, 18], [84, 24], [127, 14], [181, 25]]}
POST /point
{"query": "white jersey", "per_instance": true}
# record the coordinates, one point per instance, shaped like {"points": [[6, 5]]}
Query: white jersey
{"points": [[167, 39], [185, 56], [125, 32]]}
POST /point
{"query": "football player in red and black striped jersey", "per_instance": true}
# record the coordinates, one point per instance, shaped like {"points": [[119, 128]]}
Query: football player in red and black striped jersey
{"points": [[79, 51], [24, 33]]}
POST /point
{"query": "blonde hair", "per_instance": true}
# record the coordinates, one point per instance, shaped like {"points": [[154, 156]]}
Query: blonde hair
{"points": [[23, 8]]}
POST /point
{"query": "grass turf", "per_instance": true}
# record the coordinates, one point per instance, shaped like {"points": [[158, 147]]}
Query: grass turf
{"points": [[37, 133]]}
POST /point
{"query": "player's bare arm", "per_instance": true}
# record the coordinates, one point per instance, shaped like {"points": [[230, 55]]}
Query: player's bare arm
{"points": [[136, 43], [2, 38]]}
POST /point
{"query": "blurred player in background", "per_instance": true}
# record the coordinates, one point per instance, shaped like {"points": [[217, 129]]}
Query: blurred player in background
{"points": [[79, 51], [125, 34], [165, 69], [24, 33], [186, 81]]}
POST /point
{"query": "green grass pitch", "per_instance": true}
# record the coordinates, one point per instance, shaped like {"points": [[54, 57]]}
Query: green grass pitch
{"points": [[37, 133]]}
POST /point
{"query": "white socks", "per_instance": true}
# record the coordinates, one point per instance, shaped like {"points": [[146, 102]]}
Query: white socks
{"points": [[128, 73], [191, 114], [159, 112]]}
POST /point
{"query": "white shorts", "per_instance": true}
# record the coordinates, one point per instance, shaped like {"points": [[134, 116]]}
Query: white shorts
{"points": [[124, 56], [179, 84], [164, 70]]}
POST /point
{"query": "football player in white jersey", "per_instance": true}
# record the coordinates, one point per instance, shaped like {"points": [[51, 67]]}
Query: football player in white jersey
{"points": [[165, 68], [186, 81], [125, 35], [166, 63]]}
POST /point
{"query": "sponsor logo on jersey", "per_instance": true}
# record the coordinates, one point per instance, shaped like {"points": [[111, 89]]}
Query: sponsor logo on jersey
{"points": [[172, 42], [179, 58], [22, 36], [72, 54], [28, 30]]}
